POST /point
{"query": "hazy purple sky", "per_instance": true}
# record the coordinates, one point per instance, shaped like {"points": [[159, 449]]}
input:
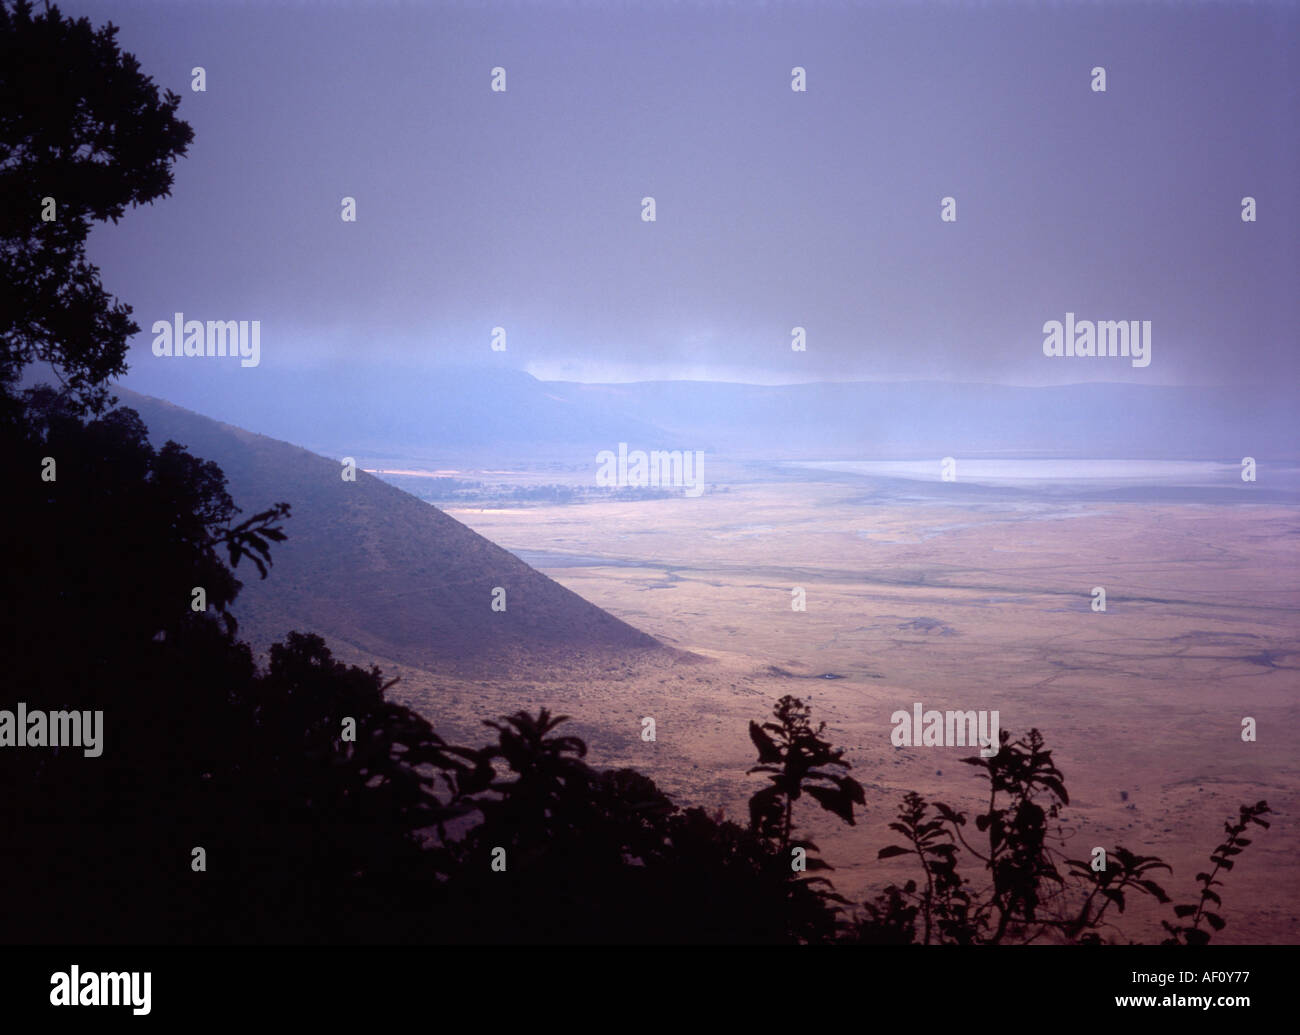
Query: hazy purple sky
{"points": [[774, 208]]}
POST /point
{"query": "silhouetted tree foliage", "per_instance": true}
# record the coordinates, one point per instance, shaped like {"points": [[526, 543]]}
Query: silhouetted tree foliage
{"points": [[79, 123], [606, 856], [200, 749], [312, 834]]}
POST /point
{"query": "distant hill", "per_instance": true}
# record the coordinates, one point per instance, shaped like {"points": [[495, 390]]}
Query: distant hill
{"points": [[367, 564], [472, 416], [923, 420]]}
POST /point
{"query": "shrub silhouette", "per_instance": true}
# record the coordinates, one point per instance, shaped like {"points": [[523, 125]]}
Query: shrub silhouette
{"points": [[1025, 896], [1194, 934], [799, 762]]}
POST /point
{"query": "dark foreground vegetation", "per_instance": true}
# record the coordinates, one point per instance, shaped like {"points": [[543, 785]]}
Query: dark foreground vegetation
{"points": [[324, 812]]}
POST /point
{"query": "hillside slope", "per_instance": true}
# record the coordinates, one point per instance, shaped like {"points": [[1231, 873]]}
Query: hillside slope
{"points": [[367, 564]]}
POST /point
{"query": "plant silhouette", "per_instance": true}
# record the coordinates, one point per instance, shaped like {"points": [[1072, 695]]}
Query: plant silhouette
{"points": [[1222, 857], [1024, 897]]}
